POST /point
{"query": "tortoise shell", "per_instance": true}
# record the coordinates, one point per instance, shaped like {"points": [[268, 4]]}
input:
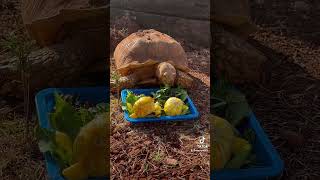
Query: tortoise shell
{"points": [[146, 48]]}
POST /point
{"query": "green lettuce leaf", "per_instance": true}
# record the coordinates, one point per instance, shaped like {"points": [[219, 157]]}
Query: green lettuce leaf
{"points": [[232, 103], [46, 139], [65, 118], [237, 107], [130, 100]]}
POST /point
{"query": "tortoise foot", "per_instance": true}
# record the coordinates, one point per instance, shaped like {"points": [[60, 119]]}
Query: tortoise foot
{"points": [[184, 80]]}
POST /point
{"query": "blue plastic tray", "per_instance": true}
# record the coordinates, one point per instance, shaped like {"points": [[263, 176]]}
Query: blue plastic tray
{"points": [[194, 114], [45, 103], [268, 165]]}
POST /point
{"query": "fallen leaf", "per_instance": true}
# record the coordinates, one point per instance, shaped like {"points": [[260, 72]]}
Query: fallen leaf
{"points": [[172, 162]]}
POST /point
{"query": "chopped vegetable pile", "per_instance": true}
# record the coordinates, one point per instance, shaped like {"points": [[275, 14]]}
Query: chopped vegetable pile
{"points": [[72, 139], [166, 101], [232, 142]]}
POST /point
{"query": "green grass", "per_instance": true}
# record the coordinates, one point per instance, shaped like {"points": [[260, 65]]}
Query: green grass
{"points": [[158, 156]]}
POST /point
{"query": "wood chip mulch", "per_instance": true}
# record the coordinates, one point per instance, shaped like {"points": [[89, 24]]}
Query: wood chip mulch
{"points": [[164, 150], [289, 106]]}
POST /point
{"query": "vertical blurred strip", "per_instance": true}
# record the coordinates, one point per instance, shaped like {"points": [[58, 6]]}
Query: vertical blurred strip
{"points": [[212, 80], [108, 77]]}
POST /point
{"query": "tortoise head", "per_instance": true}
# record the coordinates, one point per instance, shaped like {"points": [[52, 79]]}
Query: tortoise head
{"points": [[166, 73]]}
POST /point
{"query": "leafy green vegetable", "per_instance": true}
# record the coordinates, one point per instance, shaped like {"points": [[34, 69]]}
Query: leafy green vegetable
{"points": [[229, 101], [180, 93], [65, 118], [231, 104], [237, 107], [130, 100], [45, 137], [47, 144], [166, 92], [85, 115], [66, 121], [102, 108], [162, 95]]}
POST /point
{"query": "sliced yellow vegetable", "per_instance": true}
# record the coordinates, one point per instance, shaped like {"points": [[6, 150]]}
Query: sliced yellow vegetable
{"points": [[90, 149], [64, 146], [143, 107], [130, 108], [174, 106], [157, 109], [240, 151], [221, 140]]}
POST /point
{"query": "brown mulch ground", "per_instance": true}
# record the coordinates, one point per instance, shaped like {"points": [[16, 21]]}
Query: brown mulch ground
{"points": [[300, 52], [20, 156], [289, 106], [297, 19], [150, 150]]}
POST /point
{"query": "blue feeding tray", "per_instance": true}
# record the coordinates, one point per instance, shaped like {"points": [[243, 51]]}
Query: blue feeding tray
{"points": [[45, 103], [194, 114], [268, 163]]}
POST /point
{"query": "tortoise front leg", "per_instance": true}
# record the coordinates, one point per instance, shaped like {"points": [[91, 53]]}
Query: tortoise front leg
{"points": [[184, 79], [123, 82]]}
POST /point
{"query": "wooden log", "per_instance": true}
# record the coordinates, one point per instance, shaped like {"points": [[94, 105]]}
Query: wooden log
{"points": [[233, 13], [194, 31], [191, 9]]}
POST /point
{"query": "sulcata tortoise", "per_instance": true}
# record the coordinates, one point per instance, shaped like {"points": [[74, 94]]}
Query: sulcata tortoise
{"points": [[72, 36], [150, 57]]}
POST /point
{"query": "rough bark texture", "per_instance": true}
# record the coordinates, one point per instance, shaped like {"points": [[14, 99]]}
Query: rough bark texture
{"points": [[53, 66], [178, 8], [45, 19], [236, 60], [192, 30]]}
